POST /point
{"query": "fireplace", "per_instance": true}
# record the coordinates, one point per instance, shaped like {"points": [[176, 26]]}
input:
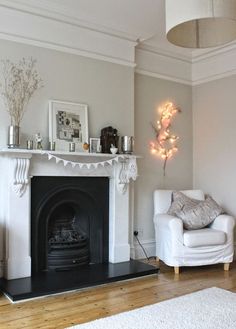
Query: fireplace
{"points": [[35, 219], [66, 222], [69, 222]]}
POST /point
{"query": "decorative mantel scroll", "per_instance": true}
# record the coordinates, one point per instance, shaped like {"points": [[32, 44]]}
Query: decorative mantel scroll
{"points": [[127, 168], [21, 175]]}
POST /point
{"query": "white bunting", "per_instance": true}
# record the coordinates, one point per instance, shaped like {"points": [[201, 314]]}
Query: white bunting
{"points": [[84, 165]]}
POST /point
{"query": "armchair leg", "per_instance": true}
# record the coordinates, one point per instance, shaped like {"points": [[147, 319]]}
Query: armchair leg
{"points": [[226, 266], [176, 268]]}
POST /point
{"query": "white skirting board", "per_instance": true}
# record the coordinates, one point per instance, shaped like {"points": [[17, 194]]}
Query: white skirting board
{"points": [[137, 252]]}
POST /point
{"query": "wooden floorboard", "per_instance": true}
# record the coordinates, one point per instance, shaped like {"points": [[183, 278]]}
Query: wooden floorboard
{"points": [[68, 309]]}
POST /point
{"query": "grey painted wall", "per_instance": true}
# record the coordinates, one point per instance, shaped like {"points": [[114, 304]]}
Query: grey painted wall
{"points": [[149, 94], [214, 135], [107, 88]]}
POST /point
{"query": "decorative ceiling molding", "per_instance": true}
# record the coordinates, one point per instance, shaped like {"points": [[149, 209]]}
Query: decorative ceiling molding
{"points": [[162, 66], [41, 23], [63, 13], [198, 56], [214, 65], [197, 69], [187, 57], [21, 26]]}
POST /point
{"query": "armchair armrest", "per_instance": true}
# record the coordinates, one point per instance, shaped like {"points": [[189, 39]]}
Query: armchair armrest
{"points": [[223, 223], [169, 224]]}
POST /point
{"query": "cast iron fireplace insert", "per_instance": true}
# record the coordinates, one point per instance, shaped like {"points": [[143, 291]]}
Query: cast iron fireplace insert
{"points": [[69, 222]]}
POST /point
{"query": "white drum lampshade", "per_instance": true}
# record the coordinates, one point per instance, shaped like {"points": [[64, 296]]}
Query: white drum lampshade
{"points": [[200, 23]]}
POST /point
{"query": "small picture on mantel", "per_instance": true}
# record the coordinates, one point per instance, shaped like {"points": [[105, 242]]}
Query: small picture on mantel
{"points": [[68, 122], [95, 146]]}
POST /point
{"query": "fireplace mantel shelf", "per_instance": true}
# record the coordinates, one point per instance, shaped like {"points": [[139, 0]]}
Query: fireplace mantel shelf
{"points": [[126, 163], [6, 151]]}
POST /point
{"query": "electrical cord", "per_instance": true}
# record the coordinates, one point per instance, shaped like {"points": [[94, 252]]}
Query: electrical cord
{"points": [[144, 251]]}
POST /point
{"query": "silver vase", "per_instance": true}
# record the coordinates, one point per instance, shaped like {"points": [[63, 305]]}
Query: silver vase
{"points": [[127, 144], [13, 136]]}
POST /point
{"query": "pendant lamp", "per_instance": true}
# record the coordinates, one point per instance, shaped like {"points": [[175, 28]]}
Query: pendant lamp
{"points": [[200, 23]]}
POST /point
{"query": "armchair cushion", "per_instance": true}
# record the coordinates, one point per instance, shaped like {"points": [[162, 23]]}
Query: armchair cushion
{"points": [[204, 237], [181, 202], [195, 214]]}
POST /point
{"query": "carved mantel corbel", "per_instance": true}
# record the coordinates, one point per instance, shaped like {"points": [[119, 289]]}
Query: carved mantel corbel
{"points": [[21, 175], [128, 170]]}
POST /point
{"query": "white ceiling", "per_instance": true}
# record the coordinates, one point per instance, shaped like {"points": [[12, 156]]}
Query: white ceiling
{"points": [[142, 20]]}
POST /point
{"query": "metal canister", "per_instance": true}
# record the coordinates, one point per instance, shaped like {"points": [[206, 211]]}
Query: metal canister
{"points": [[29, 144], [72, 147], [52, 146], [127, 144]]}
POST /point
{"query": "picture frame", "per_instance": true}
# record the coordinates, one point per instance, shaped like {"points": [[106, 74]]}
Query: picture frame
{"points": [[94, 145], [68, 122]]}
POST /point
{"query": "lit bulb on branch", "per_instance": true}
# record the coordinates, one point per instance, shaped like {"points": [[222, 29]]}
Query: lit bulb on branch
{"points": [[165, 142]]}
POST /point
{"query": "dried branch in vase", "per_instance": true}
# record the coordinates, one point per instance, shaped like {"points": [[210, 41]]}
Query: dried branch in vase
{"points": [[18, 82]]}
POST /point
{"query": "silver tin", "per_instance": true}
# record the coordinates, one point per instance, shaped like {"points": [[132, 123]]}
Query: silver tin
{"points": [[52, 146], [71, 147], [127, 144], [29, 144]]}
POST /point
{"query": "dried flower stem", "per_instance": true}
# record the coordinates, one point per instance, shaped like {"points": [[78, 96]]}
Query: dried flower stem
{"points": [[18, 83]]}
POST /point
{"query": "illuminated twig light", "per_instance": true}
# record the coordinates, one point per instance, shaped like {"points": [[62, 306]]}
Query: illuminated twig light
{"points": [[165, 143]]}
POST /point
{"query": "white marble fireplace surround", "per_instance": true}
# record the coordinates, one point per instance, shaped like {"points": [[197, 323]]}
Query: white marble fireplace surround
{"points": [[17, 169]]}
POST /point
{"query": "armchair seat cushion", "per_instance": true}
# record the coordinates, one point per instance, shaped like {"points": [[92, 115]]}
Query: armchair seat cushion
{"points": [[204, 237]]}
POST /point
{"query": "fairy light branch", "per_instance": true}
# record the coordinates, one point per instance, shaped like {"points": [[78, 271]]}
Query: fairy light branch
{"points": [[164, 145]]}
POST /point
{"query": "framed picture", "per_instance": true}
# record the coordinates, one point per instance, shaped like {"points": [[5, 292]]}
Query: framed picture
{"points": [[68, 122], [94, 145]]}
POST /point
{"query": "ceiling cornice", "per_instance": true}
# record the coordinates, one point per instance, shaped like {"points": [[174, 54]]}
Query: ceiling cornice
{"points": [[47, 9], [21, 25], [163, 66], [201, 68], [214, 65], [167, 53], [42, 24]]}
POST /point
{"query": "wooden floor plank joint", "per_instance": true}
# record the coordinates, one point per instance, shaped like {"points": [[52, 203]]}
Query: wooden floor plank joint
{"points": [[72, 308]]}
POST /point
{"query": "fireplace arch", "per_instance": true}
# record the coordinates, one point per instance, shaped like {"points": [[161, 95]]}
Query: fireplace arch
{"points": [[69, 222]]}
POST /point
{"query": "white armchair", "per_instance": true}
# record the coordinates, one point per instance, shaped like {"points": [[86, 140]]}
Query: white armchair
{"points": [[178, 247]]}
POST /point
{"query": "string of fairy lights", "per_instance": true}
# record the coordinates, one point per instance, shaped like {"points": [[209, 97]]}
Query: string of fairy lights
{"points": [[164, 145]]}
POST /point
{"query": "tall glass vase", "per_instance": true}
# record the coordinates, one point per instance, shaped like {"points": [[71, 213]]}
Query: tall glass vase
{"points": [[13, 136]]}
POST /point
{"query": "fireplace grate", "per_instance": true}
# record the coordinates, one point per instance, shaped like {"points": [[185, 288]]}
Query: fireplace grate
{"points": [[67, 247]]}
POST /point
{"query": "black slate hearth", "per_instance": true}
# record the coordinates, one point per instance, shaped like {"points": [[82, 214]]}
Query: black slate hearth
{"points": [[47, 283]]}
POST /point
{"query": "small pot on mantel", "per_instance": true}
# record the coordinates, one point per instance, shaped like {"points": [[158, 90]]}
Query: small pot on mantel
{"points": [[13, 136]]}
